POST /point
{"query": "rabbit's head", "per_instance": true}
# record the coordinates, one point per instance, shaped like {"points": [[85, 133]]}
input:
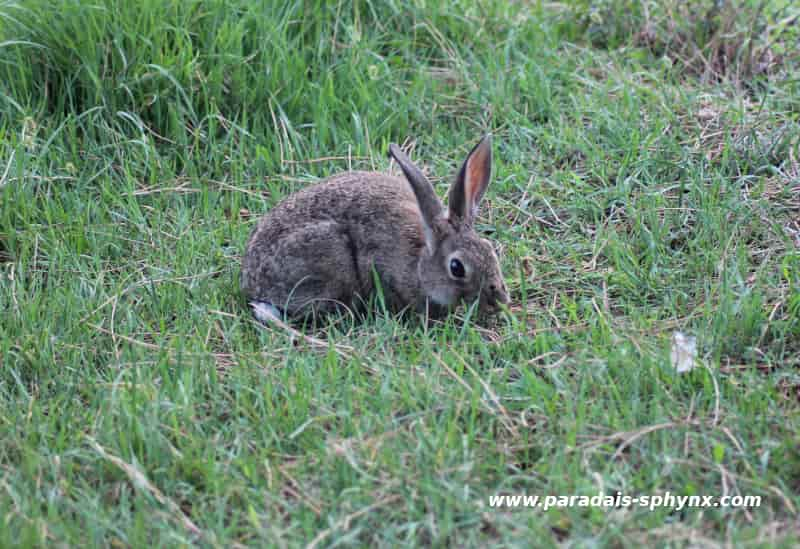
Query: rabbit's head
{"points": [[456, 264]]}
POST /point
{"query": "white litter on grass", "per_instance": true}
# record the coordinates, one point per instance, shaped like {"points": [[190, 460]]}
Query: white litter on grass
{"points": [[684, 352]]}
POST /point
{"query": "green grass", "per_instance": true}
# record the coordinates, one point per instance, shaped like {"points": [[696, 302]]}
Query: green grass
{"points": [[635, 194]]}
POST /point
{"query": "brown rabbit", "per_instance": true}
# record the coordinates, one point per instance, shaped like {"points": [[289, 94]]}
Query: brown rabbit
{"points": [[326, 246]]}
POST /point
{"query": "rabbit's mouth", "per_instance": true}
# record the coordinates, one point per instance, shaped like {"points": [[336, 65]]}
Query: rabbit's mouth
{"points": [[494, 297], [433, 310]]}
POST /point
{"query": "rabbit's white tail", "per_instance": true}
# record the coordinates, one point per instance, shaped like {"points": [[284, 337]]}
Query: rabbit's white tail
{"points": [[265, 312]]}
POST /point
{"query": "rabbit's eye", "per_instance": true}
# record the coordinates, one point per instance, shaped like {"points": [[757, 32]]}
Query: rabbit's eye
{"points": [[457, 268]]}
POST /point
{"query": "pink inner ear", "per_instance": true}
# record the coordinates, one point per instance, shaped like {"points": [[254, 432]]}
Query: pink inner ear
{"points": [[476, 175]]}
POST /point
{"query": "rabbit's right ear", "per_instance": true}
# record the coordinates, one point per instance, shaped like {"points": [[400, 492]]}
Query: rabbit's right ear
{"points": [[429, 204], [471, 182]]}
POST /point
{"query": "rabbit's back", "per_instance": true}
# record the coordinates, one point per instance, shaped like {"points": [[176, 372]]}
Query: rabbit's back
{"points": [[324, 244]]}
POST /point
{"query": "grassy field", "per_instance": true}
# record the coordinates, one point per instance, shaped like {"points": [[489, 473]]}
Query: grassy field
{"points": [[647, 180]]}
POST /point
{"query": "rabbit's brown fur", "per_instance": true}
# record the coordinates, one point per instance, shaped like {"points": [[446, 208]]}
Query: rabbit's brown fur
{"points": [[323, 247]]}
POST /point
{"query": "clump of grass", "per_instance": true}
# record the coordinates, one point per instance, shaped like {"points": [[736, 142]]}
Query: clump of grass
{"points": [[714, 40], [5, 257]]}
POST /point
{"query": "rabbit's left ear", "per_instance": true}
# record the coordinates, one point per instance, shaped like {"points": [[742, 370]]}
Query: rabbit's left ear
{"points": [[471, 182]]}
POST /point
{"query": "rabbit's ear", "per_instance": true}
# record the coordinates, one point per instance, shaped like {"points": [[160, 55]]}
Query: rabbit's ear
{"points": [[429, 204], [471, 182]]}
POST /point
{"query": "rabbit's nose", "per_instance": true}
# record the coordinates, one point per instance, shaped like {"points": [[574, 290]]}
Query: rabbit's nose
{"points": [[504, 298], [499, 295]]}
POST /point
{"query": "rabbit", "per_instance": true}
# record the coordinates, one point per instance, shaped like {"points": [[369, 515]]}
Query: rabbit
{"points": [[339, 242]]}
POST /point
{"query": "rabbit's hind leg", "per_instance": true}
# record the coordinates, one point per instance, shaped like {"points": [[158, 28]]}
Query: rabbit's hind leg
{"points": [[324, 267]]}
